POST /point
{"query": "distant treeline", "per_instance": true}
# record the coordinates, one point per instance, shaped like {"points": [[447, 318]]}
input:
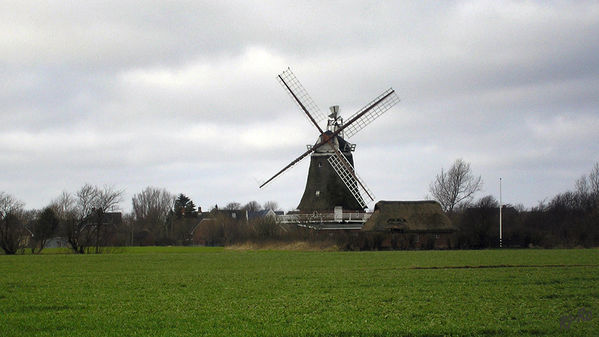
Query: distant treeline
{"points": [[569, 219], [87, 221]]}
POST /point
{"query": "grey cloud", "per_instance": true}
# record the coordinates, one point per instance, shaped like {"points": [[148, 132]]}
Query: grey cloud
{"points": [[183, 94]]}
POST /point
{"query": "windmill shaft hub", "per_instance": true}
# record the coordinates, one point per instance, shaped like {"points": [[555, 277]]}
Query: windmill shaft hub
{"points": [[332, 180]]}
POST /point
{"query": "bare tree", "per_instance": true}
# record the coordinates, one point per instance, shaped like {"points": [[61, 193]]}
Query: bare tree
{"points": [[455, 186], [582, 185], [107, 199], [593, 180], [271, 205], [12, 230], [63, 205], [43, 228], [151, 208], [589, 184], [232, 206], [8, 204], [252, 206], [587, 189], [84, 216], [477, 223]]}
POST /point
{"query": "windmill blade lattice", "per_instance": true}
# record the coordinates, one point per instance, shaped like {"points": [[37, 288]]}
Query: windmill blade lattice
{"points": [[295, 161], [357, 117], [340, 164], [375, 112], [343, 188], [297, 92]]}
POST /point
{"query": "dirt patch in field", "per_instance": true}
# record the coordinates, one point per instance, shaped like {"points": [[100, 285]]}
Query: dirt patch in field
{"points": [[295, 245]]}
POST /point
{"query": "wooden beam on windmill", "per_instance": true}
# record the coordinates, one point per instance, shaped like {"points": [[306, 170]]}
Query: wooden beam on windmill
{"points": [[300, 96], [350, 178], [337, 154], [371, 111]]}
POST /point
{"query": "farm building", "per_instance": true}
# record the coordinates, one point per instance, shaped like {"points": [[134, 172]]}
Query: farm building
{"points": [[411, 224]]}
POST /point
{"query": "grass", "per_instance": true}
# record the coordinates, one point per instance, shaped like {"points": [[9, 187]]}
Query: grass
{"points": [[186, 291]]}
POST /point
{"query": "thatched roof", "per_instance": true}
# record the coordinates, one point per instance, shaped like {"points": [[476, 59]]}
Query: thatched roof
{"points": [[409, 216]]}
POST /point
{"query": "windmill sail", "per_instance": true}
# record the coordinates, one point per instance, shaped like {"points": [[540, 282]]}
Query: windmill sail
{"points": [[386, 101], [300, 96], [352, 181], [332, 180]]}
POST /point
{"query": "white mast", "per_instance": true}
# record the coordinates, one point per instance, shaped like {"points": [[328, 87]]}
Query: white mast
{"points": [[500, 217]]}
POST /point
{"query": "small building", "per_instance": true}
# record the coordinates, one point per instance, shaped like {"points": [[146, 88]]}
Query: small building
{"points": [[211, 227], [265, 213], [201, 233], [411, 224], [235, 214]]}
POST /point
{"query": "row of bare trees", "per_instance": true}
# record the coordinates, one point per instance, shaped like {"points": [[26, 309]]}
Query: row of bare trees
{"points": [[86, 221], [569, 219], [83, 219], [161, 218]]}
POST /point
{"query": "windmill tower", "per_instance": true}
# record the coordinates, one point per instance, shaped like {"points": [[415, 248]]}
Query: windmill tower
{"points": [[332, 180]]}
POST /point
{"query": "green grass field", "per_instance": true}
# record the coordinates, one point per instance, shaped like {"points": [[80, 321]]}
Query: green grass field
{"points": [[179, 291]]}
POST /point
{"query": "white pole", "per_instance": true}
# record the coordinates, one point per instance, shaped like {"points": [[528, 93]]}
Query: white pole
{"points": [[500, 217]]}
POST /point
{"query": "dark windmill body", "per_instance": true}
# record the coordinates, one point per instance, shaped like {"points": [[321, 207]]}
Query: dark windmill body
{"points": [[332, 182], [324, 187]]}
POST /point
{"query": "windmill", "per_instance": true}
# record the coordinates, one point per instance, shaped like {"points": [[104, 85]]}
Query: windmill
{"points": [[332, 180]]}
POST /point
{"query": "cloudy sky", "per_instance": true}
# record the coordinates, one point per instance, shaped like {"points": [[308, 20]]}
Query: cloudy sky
{"points": [[183, 95]]}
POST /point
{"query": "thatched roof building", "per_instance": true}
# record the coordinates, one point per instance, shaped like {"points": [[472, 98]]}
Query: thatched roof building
{"points": [[409, 217]]}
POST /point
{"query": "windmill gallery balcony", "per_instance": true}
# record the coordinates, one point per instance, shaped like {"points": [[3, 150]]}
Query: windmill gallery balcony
{"points": [[326, 221]]}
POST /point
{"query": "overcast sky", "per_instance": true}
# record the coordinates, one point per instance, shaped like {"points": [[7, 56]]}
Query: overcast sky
{"points": [[183, 95]]}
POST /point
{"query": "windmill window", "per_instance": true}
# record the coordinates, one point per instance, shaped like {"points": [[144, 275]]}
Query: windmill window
{"points": [[317, 193]]}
